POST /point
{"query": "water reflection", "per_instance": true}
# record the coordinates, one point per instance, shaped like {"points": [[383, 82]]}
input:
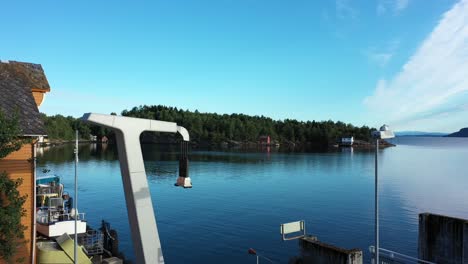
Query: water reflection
{"points": [[349, 150], [65, 153], [239, 199]]}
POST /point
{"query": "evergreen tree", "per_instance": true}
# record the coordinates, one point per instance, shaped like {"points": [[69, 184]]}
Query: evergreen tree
{"points": [[215, 128]]}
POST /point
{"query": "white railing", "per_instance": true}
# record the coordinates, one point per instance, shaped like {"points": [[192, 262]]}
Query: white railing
{"points": [[391, 257], [47, 190], [45, 219]]}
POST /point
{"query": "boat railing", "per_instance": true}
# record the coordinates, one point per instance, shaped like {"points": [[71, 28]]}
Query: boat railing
{"points": [[49, 219], [47, 189], [93, 242], [391, 257]]}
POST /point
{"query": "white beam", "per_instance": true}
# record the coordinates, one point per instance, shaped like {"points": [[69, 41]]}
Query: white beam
{"points": [[140, 209]]}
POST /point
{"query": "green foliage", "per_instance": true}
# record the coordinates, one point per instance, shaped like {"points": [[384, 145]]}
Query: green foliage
{"points": [[63, 128], [216, 128], [11, 203], [11, 211], [59, 127], [10, 135]]}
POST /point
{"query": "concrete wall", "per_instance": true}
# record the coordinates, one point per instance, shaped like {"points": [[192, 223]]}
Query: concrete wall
{"points": [[443, 239], [314, 251]]}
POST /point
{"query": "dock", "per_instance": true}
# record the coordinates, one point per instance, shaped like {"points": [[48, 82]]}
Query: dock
{"points": [[314, 251]]}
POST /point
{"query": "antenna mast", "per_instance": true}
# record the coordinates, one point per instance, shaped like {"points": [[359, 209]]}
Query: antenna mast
{"points": [[76, 198]]}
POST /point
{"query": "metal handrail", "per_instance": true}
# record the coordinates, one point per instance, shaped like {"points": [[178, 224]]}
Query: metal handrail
{"points": [[393, 255], [44, 219], [93, 242]]}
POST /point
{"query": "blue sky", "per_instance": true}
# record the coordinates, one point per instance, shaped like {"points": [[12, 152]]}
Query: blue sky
{"points": [[401, 62]]}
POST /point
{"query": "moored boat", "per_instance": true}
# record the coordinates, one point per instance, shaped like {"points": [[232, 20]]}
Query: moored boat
{"points": [[55, 214], [55, 225]]}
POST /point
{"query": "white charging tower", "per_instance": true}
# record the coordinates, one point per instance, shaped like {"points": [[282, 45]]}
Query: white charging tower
{"points": [[137, 195]]}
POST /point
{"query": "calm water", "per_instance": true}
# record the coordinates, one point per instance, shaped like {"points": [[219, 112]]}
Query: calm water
{"points": [[240, 199]]}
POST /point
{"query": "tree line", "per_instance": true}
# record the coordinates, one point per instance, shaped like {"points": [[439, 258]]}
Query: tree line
{"points": [[61, 127], [217, 128]]}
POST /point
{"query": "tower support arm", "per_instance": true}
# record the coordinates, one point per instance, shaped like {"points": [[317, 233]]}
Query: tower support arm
{"points": [[143, 226]]}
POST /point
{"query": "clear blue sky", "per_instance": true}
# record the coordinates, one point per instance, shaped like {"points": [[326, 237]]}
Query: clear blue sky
{"points": [[363, 62]]}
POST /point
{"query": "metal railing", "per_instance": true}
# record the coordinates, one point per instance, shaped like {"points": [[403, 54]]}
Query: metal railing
{"points": [[391, 257], [46, 219], [48, 189], [93, 242]]}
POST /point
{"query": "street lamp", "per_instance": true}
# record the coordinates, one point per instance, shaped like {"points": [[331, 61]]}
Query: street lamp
{"points": [[383, 133], [252, 251]]}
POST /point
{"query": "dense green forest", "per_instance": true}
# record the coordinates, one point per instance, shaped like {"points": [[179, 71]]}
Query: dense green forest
{"points": [[60, 127], [211, 128]]}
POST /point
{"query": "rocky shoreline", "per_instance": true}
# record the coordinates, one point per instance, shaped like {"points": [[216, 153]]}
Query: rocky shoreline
{"points": [[358, 144], [248, 145]]}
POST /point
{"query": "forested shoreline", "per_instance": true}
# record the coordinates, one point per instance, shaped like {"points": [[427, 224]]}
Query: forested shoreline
{"points": [[215, 129]]}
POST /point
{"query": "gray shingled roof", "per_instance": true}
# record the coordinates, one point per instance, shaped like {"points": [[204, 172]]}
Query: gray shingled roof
{"points": [[16, 81]]}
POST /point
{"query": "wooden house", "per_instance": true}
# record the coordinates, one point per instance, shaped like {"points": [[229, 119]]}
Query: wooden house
{"points": [[264, 140], [22, 90]]}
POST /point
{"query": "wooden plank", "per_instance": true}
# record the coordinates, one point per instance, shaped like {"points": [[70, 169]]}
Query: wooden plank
{"points": [[24, 153], [38, 97]]}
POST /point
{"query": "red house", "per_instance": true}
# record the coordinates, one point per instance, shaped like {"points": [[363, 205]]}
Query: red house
{"points": [[264, 140]]}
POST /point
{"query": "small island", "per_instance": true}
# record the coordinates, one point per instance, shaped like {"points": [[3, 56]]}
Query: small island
{"points": [[212, 130]]}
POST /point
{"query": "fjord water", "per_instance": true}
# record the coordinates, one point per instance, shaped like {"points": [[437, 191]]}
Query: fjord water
{"points": [[239, 199]]}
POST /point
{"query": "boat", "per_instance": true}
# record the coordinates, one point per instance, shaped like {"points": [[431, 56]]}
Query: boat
{"points": [[55, 223], [55, 214]]}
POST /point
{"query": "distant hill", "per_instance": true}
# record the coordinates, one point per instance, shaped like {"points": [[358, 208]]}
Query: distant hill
{"points": [[462, 133], [419, 134]]}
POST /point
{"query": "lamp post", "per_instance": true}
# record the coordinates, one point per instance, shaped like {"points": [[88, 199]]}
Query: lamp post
{"points": [[75, 242], [252, 251], [383, 133]]}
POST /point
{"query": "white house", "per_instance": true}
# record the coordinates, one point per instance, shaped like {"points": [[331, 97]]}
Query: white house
{"points": [[347, 141]]}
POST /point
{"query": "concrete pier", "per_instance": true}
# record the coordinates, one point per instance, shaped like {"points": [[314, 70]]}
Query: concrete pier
{"points": [[443, 239], [314, 251]]}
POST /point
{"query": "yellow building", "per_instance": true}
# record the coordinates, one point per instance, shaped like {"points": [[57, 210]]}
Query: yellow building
{"points": [[22, 90]]}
